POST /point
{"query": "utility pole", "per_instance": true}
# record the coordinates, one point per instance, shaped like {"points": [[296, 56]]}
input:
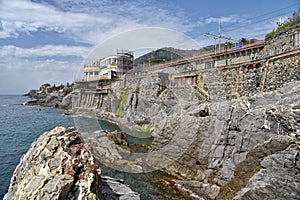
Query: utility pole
{"points": [[219, 37]]}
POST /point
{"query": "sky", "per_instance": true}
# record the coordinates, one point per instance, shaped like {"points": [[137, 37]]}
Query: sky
{"points": [[48, 41]]}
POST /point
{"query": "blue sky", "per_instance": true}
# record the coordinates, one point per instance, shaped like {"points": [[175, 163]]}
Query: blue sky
{"points": [[48, 40]]}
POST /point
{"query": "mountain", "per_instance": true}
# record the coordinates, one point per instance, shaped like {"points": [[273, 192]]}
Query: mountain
{"points": [[169, 54]]}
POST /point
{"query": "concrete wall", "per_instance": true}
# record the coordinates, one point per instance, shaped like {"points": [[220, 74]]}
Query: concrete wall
{"points": [[85, 100]]}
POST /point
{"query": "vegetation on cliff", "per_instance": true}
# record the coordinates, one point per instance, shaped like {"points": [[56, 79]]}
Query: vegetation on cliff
{"points": [[283, 27], [122, 101]]}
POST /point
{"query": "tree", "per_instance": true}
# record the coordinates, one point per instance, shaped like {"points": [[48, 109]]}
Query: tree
{"points": [[243, 40]]}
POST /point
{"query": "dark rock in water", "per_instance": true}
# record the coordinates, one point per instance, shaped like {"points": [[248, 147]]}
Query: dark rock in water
{"points": [[68, 113], [55, 100], [31, 102], [139, 148]]}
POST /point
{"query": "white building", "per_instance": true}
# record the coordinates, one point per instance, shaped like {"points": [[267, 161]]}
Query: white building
{"points": [[109, 67]]}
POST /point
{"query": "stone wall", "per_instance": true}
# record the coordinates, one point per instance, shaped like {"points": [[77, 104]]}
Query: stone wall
{"points": [[233, 82], [282, 70], [266, 75], [86, 100]]}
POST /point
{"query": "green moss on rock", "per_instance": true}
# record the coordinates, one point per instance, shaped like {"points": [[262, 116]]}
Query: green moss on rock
{"points": [[120, 110]]}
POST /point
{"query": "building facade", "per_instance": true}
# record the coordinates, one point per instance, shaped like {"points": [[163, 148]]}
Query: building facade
{"points": [[110, 67]]}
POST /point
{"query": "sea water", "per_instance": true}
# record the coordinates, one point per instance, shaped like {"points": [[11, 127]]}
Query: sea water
{"points": [[19, 126]]}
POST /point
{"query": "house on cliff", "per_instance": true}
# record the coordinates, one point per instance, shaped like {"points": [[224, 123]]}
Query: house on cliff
{"points": [[106, 70]]}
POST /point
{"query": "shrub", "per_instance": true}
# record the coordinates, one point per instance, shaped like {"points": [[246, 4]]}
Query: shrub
{"points": [[68, 90]]}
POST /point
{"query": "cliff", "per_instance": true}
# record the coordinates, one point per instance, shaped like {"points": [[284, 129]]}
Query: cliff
{"points": [[243, 148], [235, 135]]}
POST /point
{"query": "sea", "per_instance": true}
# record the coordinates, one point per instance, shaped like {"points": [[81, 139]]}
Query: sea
{"points": [[21, 124]]}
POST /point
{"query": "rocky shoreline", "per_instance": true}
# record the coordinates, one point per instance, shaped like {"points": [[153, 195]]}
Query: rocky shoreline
{"points": [[217, 146], [58, 165], [245, 148], [220, 149], [55, 97]]}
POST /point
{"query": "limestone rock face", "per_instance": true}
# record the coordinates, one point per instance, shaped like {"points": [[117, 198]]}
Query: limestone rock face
{"points": [[57, 166], [245, 148]]}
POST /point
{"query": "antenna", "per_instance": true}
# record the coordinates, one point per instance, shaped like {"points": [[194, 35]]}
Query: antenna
{"points": [[219, 36]]}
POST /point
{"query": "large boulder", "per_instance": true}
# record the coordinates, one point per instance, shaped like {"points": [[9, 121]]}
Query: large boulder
{"points": [[56, 166]]}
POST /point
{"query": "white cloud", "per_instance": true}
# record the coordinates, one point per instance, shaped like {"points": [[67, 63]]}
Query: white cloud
{"points": [[23, 16], [256, 30], [47, 50], [150, 37], [224, 19], [20, 75], [87, 24]]}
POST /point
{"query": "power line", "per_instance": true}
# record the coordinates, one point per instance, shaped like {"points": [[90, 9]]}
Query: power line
{"points": [[255, 22], [269, 13], [257, 17], [219, 36]]}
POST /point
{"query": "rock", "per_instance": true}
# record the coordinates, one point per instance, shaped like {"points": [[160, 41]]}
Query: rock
{"points": [[111, 149], [270, 182], [115, 189], [220, 148], [201, 111], [245, 148], [57, 166], [52, 99], [55, 99], [67, 101]]}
